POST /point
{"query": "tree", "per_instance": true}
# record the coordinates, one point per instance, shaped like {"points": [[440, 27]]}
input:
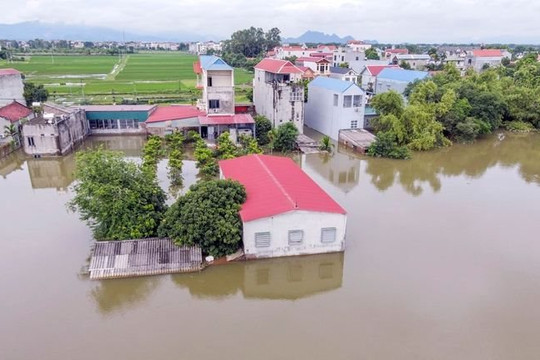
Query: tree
{"points": [[207, 216], [285, 139], [226, 149], [151, 154], [249, 145], [115, 197], [175, 143], [262, 127], [385, 145], [206, 163], [344, 65], [272, 38], [405, 65], [390, 102], [371, 54], [33, 93], [292, 58], [326, 144]]}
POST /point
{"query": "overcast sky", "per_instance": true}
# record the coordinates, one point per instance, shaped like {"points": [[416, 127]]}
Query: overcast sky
{"points": [[382, 20]]}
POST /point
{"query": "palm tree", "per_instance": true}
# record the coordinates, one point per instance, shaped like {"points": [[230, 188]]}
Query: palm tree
{"points": [[11, 131], [326, 144]]}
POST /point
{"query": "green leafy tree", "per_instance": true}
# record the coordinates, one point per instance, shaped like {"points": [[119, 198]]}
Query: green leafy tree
{"points": [[285, 139], [151, 154], [226, 149], [207, 216], [405, 65], [326, 144], [206, 163], [371, 54], [390, 102], [385, 145], [262, 127], [175, 142], [34, 93], [115, 197], [249, 145]]}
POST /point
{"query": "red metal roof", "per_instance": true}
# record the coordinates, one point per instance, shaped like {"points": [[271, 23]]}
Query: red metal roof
{"points": [[197, 67], [397, 51], [311, 59], [9, 72], [277, 66], [14, 112], [226, 119], [376, 69], [174, 112], [487, 53], [275, 185]]}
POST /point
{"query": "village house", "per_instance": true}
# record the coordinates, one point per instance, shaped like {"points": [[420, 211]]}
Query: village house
{"points": [[55, 132], [286, 51], [389, 53], [167, 119], [397, 79], [344, 74], [14, 114], [369, 75], [319, 65], [286, 213], [415, 61], [307, 73], [278, 93], [334, 105], [11, 87], [117, 119], [479, 59], [358, 45]]}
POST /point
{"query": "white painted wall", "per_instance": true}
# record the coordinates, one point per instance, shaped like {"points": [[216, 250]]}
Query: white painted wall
{"points": [[274, 101], [11, 88], [310, 222], [222, 89], [323, 116]]}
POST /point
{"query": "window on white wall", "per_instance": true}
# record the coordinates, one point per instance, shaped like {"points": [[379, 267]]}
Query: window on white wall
{"points": [[354, 124], [262, 239], [357, 100], [336, 99], [328, 235], [347, 101], [296, 237]]}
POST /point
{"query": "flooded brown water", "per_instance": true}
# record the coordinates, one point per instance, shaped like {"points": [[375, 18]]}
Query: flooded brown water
{"points": [[442, 262]]}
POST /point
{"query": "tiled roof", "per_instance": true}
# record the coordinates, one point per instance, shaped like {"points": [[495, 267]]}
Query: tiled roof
{"points": [[197, 67], [331, 84], [277, 66], [340, 70], [397, 51], [117, 107], [9, 72], [312, 59], [402, 75], [226, 119], [212, 62], [374, 70], [487, 53], [14, 112], [413, 57], [174, 112], [276, 185]]}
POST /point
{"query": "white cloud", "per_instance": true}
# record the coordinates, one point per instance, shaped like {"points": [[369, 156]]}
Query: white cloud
{"points": [[384, 20]]}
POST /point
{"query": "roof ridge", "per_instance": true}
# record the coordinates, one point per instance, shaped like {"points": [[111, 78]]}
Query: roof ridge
{"points": [[275, 180]]}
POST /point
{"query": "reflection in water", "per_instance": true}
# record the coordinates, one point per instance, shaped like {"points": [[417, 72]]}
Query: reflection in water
{"points": [[341, 170], [282, 278], [12, 162], [52, 173], [129, 145], [118, 294]]}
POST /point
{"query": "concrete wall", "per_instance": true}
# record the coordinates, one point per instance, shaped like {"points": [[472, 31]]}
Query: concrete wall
{"points": [[323, 116], [309, 222], [222, 89], [478, 62], [274, 101], [11, 88]]}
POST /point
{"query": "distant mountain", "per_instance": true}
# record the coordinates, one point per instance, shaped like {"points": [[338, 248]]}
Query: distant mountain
{"points": [[55, 31], [318, 37]]}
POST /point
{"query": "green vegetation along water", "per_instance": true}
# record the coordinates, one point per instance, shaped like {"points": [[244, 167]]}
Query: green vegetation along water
{"points": [[442, 262]]}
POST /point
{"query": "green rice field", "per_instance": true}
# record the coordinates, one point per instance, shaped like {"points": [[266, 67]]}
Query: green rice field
{"points": [[149, 77]]}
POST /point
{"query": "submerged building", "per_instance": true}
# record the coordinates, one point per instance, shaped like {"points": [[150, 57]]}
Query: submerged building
{"points": [[286, 212]]}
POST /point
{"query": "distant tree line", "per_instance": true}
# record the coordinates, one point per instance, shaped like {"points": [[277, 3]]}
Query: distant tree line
{"points": [[247, 47]]}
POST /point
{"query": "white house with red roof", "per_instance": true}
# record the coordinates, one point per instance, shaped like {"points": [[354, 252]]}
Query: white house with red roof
{"points": [[11, 87], [14, 114], [319, 65], [480, 58], [369, 75], [278, 93], [358, 45], [389, 53], [286, 213], [286, 51]]}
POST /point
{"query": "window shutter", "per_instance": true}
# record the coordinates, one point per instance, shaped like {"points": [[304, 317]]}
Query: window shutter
{"points": [[328, 235], [262, 239], [296, 237]]}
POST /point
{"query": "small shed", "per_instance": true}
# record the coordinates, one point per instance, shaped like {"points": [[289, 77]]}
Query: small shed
{"points": [[128, 258], [356, 139]]}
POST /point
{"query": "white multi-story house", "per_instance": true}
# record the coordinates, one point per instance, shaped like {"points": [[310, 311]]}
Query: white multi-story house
{"points": [[334, 105], [11, 87], [216, 79], [319, 65], [369, 75], [278, 93], [344, 74], [478, 59], [201, 48], [357, 45], [286, 51], [415, 61], [397, 79]]}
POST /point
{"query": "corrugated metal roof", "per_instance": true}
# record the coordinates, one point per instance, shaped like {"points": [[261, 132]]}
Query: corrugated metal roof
{"points": [[402, 75], [277, 66], [9, 71], [174, 112], [212, 62], [226, 119], [117, 107], [14, 112], [331, 84], [275, 185]]}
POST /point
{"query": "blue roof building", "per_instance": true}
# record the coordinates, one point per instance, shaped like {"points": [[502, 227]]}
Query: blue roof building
{"points": [[212, 62], [397, 79], [335, 85]]}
